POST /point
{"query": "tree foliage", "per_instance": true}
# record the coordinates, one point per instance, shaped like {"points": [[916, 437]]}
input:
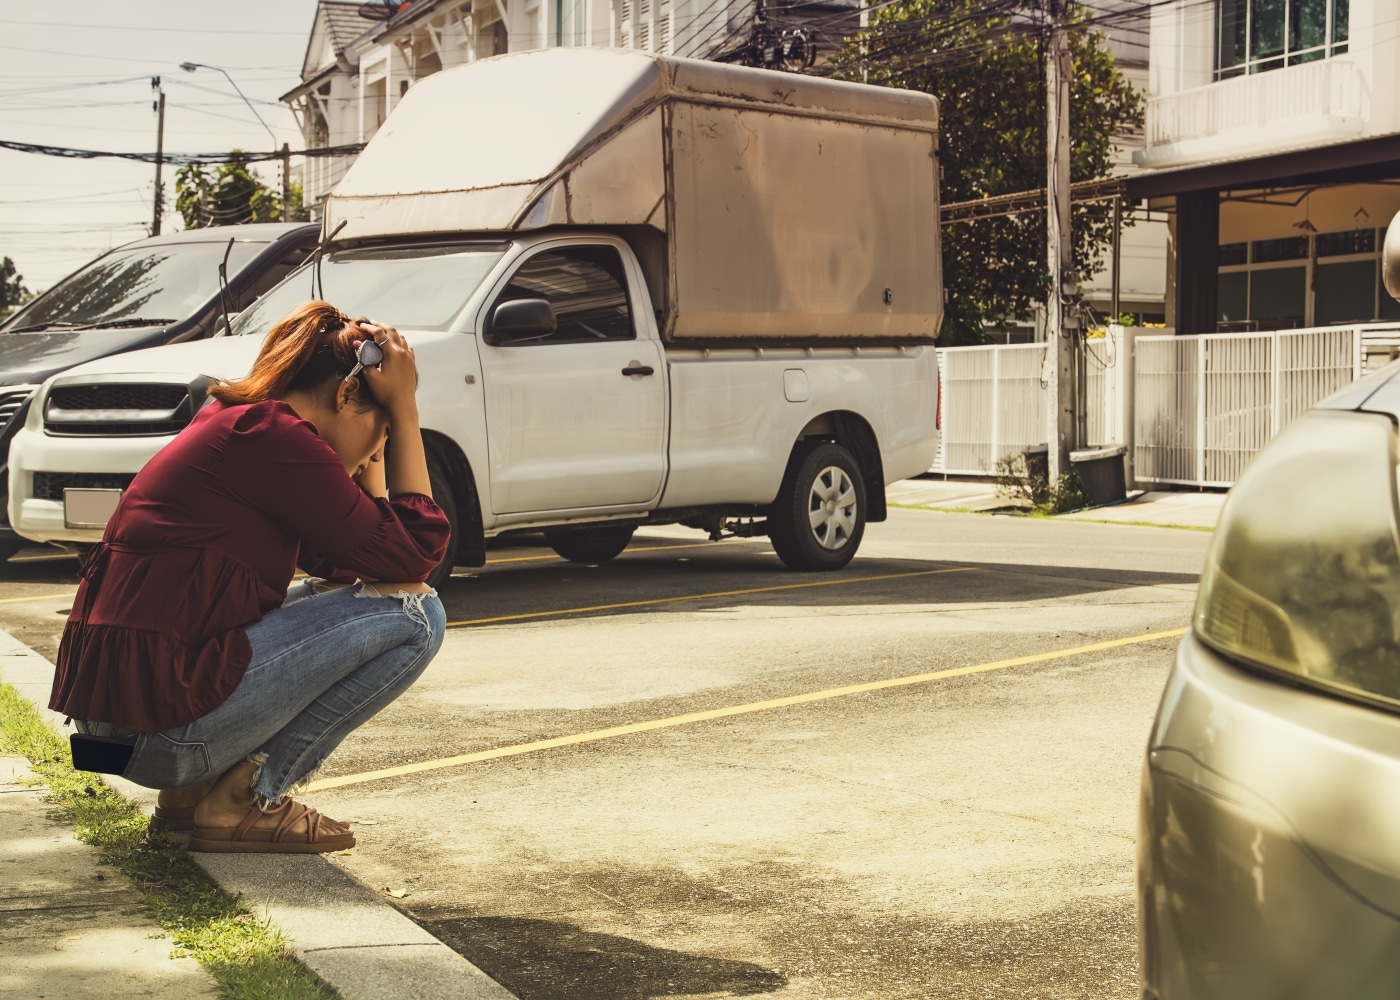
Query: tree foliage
{"points": [[13, 294], [229, 195], [986, 65]]}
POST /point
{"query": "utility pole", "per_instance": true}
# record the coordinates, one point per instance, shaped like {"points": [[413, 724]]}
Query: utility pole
{"points": [[1060, 333], [158, 106], [286, 155]]}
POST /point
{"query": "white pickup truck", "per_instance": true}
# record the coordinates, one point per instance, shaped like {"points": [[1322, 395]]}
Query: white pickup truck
{"points": [[641, 290]]}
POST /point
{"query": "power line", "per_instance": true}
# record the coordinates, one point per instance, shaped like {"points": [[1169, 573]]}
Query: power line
{"points": [[142, 28], [222, 93], [176, 158], [66, 86], [135, 59]]}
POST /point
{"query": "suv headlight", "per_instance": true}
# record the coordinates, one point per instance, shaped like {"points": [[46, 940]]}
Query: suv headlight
{"points": [[1303, 575]]}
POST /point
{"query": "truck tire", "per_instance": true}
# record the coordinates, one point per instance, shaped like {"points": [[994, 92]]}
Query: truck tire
{"points": [[819, 517], [447, 500], [590, 545]]}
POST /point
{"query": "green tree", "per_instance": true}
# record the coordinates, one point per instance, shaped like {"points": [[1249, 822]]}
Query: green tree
{"points": [[13, 294], [230, 194], [986, 66]]}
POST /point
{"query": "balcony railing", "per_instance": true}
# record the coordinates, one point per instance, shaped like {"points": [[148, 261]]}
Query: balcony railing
{"points": [[1332, 89]]}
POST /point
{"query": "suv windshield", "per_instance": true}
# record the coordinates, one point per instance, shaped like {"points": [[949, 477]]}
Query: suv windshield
{"points": [[157, 284], [411, 288]]}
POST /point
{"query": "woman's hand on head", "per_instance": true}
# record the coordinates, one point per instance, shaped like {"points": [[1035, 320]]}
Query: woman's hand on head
{"points": [[395, 382]]}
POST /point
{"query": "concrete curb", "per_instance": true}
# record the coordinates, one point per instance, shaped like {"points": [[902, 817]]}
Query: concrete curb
{"points": [[342, 930]]}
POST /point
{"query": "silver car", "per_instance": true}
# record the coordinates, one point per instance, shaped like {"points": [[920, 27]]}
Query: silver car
{"points": [[1269, 830]]}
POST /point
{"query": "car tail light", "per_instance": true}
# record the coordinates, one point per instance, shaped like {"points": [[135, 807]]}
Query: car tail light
{"points": [[1303, 575]]}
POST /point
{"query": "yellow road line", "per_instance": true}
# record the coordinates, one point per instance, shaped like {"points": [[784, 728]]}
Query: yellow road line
{"points": [[39, 597], [517, 749], [525, 615], [630, 551]]}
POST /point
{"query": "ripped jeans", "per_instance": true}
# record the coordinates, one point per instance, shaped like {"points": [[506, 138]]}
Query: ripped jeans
{"points": [[323, 665]]}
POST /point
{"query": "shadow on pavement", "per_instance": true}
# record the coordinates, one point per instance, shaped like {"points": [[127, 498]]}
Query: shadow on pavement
{"points": [[752, 577], [63, 570], [555, 960]]}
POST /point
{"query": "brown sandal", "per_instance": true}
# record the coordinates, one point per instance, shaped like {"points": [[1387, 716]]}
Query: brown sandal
{"points": [[245, 838]]}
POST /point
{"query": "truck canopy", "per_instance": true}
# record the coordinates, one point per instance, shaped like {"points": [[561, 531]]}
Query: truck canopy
{"points": [[765, 206]]}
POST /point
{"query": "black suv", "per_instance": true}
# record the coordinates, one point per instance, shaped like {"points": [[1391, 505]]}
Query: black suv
{"points": [[161, 290]]}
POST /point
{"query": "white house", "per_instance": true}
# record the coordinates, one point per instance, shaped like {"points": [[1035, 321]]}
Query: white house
{"points": [[1273, 138], [362, 57], [1143, 244]]}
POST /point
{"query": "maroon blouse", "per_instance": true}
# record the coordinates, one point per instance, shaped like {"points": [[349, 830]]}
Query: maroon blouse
{"points": [[205, 542]]}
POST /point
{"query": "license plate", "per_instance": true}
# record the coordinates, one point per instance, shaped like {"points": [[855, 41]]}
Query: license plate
{"points": [[89, 508]]}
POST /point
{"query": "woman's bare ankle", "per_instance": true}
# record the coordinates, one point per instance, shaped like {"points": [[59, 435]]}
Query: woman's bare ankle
{"points": [[231, 795]]}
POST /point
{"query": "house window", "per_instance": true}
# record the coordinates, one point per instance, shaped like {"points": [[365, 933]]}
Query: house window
{"points": [[568, 23], [1297, 281], [1253, 36]]}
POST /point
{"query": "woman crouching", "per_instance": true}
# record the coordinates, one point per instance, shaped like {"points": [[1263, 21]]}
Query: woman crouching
{"points": [[184, 639]]}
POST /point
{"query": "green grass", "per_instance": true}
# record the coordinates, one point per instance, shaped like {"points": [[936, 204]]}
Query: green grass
{"points": [[246, 956]]}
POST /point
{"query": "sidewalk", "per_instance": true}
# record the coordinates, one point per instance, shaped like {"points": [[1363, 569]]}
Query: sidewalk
{"points": [[1161, 508], [69, 927], [343, 931], [1168, 510], [945, 494]]}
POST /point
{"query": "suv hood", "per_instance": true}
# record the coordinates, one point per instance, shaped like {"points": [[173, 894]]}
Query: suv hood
{"points": [[222, 358], [27, 358]]}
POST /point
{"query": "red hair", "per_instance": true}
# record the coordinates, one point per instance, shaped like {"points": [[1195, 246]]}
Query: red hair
{"points": [[312, 344]]}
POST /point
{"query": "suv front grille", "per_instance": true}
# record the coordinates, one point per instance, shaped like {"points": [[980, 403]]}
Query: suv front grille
{"points": [[118, 409], [50, 485], [117, 396], [12, 402]]}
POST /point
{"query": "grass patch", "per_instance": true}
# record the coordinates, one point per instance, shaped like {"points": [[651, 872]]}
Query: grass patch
{"points": [[245, 954], [1147, 524], [942, 510]]}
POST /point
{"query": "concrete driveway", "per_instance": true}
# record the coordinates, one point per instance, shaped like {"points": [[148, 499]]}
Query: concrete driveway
{"points": [[963, 835]]}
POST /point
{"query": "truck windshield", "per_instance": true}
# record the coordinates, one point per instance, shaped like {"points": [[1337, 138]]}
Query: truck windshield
{"points": [[411, 288], [155, 285]]}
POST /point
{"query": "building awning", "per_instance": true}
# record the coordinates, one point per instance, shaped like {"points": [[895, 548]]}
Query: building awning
{"points": [[1355, 161], [307, 86]]}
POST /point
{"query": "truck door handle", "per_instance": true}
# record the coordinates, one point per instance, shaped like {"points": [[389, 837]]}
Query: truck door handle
{"points": [[635, 369]]}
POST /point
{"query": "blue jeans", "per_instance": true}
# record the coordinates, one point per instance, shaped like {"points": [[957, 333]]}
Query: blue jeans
{"points": [[323, 665]]}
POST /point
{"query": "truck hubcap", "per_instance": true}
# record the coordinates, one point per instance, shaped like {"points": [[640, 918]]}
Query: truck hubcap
{"points": [[831, 508]]}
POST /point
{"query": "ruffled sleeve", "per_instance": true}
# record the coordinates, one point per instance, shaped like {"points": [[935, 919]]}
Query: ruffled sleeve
{"points": [[277, 463]]}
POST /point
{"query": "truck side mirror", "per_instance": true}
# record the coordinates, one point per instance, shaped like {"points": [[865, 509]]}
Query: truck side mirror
{"points": [[520, 321], [1390, 258]]}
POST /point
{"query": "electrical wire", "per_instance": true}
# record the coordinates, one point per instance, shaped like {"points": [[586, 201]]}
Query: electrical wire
{"points": [[177, 159], [98, 55], [146, 28]]}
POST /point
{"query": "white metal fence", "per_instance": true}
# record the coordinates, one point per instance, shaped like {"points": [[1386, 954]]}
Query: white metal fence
{"points": [[1206, 403], [1192, 410], [993, 406]]}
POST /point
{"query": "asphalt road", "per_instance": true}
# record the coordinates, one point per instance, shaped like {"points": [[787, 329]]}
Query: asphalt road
{"points": [[962, 836]]}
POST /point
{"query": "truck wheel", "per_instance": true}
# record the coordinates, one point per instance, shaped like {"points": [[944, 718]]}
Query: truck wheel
{"points": [[819, 517], [589, 545], [447, 500]]}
